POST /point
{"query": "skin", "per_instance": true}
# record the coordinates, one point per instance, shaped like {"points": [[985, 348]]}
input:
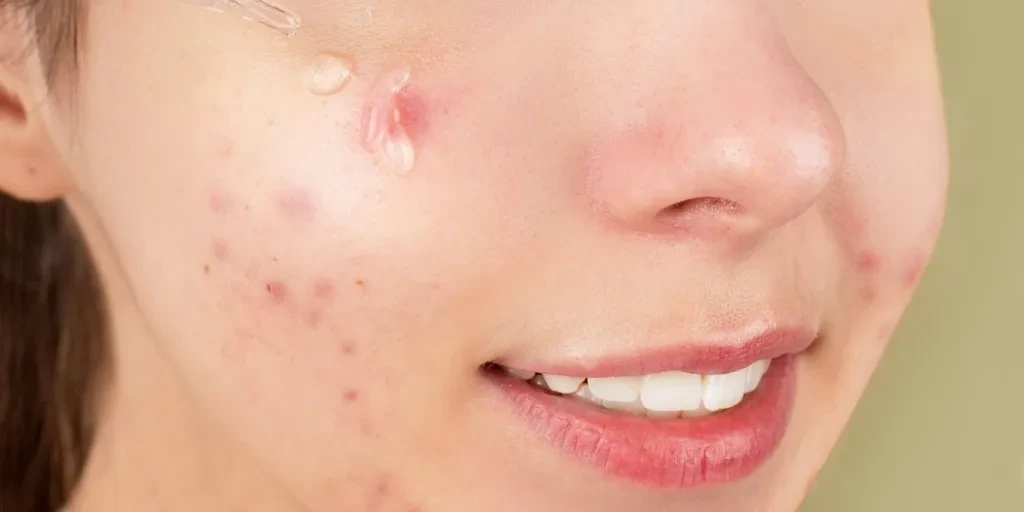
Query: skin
{"points": [[296, 328]]}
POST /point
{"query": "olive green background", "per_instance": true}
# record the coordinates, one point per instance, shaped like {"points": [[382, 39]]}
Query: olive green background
{"points": [[941, 427]]}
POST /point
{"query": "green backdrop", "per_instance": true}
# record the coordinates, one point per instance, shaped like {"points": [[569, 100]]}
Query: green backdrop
{"points": [[941, 427]]}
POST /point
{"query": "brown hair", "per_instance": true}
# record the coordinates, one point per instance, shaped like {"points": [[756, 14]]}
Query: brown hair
{"points": [[52, 326]]}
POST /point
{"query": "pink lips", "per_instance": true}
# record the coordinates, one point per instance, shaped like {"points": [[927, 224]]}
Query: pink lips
{"points": [[670, 453]]}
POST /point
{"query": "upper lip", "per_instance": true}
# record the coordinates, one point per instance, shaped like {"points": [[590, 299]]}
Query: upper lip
{"points": [[692, 357]]}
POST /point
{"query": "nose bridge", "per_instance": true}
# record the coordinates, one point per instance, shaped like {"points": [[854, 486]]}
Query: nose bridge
{"points": [[722, 115]]}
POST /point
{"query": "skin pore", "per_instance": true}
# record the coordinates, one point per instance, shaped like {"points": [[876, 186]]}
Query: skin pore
{"points": [[296, 327]]}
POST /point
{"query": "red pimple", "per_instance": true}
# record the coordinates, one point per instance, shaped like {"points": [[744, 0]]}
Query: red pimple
{"points": [[221, 250], [219, 203], [869, 261], [277, 290], [348, 348], [296, 204], [351, 395], [411, 108]]}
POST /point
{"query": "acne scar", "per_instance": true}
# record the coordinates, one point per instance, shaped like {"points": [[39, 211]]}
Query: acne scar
{"points": [[206, 269], [296, 204], [277, 291], [221, 250], [313, 319], [31, 170], [323, 289], [360, 283]]}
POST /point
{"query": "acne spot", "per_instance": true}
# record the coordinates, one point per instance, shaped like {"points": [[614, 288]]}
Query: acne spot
{"points": [[323, 290], [226, 148], [351, 396], [869, 261], [206, 269], [868, 293], [277, 290], [221, 250], [296, 204], [914, 270], [219, 203], [348, 348], [360, 283], [313, 319], [31, 170]]}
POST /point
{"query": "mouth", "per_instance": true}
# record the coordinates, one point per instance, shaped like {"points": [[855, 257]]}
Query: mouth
{"points": [[703, 416]]}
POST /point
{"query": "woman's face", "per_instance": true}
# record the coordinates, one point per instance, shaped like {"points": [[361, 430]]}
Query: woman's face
{"points": [[599, 189]]}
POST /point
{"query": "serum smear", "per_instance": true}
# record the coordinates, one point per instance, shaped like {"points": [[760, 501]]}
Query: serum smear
{"points": [[382, 130], [273, 16]]}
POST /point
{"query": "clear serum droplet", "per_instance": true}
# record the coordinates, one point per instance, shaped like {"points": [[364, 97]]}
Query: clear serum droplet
{"points": [[382, 132], [260, 11], [331, 73]]}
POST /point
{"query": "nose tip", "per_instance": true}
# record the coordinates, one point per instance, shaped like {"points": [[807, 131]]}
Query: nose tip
{"points": [[749, 175]]}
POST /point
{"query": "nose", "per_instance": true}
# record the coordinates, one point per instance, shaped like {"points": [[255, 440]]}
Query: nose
{"points": [[729, 135]]}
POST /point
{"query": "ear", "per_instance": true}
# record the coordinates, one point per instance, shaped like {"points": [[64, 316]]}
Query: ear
{"points": [[31, 168]]}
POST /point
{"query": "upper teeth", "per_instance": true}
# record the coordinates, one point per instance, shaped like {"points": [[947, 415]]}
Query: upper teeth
{"points": [[660, 394]]}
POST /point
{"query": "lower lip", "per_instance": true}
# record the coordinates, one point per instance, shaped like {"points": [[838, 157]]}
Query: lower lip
{"points": [[681, 453]]}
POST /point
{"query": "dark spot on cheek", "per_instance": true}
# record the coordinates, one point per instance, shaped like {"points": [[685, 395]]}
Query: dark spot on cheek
{"points": [[296, 204], [360, 283], [32, 171], [351, 396], [868, 293], [206, 269], [869, 261], [221, 250], [277, 290]]}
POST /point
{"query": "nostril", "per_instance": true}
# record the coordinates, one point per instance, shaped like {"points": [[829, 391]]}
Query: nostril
{"points": [[698, 207]]}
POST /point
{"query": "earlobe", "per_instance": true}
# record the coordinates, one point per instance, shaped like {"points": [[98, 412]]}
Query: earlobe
{"points": [[30, 165]]}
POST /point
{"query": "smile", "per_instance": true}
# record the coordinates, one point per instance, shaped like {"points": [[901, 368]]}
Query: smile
{"points": [[673, 428]]}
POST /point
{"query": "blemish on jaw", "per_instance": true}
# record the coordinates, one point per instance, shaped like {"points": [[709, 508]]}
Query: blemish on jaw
{"points": [[348, 348], [351, 396]]}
